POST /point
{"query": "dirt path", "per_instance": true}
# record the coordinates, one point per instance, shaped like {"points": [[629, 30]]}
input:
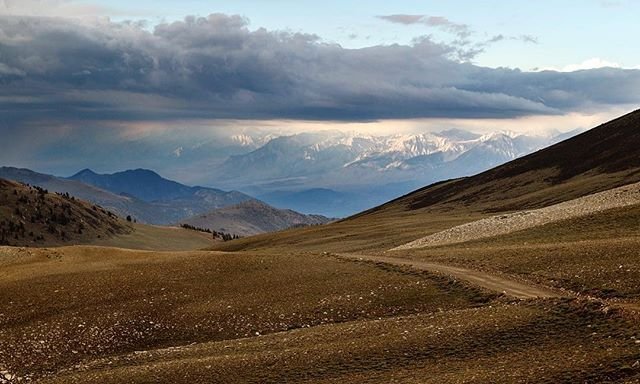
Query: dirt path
{"points": [[494, 283]]}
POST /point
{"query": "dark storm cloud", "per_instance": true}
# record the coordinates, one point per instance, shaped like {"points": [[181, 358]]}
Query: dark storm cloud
{"points": [[215, 67]]}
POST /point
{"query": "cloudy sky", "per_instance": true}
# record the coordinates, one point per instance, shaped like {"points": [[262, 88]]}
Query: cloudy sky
{"points": [[79, 78]]}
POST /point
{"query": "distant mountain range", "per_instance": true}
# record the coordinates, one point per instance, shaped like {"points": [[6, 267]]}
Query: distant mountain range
{"points": [[601, 159], [152, 199], [338, 174], [331, 173], [176, 200], [331, 203]]}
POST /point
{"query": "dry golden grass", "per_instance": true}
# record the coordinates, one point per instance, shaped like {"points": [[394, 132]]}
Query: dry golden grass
{"points": [[66, 307], [363, 234], [396, 223], [158, 238], [95, 314]]}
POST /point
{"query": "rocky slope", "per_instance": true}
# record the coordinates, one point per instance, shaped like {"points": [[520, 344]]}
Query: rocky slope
{"points": [[512, 222]]}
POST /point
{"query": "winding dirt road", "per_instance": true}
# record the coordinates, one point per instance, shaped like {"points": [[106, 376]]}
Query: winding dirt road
{"points": [[499, 284]]}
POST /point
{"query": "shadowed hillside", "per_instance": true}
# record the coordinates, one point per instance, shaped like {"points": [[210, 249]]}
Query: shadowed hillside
{"points": [[33, 216], [122, 205]]}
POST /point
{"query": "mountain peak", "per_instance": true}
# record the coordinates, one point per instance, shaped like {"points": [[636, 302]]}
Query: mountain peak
{"points": [[85, 172]]}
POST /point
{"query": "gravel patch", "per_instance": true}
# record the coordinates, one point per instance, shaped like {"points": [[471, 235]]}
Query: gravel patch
{"points": [[512, 222]]}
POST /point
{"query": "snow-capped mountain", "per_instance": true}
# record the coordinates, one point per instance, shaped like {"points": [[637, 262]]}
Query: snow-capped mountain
{"points": [[357, 171], [249, 141], [338, 159]]}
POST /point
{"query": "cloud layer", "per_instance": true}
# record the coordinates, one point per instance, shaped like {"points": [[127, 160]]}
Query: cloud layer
{"points": [[462, 31], [216, 67]]}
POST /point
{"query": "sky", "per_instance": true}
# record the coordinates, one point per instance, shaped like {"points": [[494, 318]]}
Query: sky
{"points": [[112, 73], [564, 34]]}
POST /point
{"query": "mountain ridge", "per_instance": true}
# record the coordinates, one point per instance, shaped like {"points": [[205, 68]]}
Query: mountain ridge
{"points": [[353, 164], [144, 184], [607, 149], [175, 210]]}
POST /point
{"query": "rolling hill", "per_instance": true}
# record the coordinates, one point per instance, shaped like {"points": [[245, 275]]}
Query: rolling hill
{"points": [[176, 201], [120, 204], [253, 217], [31, 216]]}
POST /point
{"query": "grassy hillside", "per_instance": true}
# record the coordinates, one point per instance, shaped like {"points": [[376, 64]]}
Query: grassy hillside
{"points": [[31, 216], [513, 343], [104, 302], [113, 315], [159, 238]]}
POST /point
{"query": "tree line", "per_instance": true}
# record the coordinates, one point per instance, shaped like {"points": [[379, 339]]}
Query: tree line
{"points": [[215, 234]]}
